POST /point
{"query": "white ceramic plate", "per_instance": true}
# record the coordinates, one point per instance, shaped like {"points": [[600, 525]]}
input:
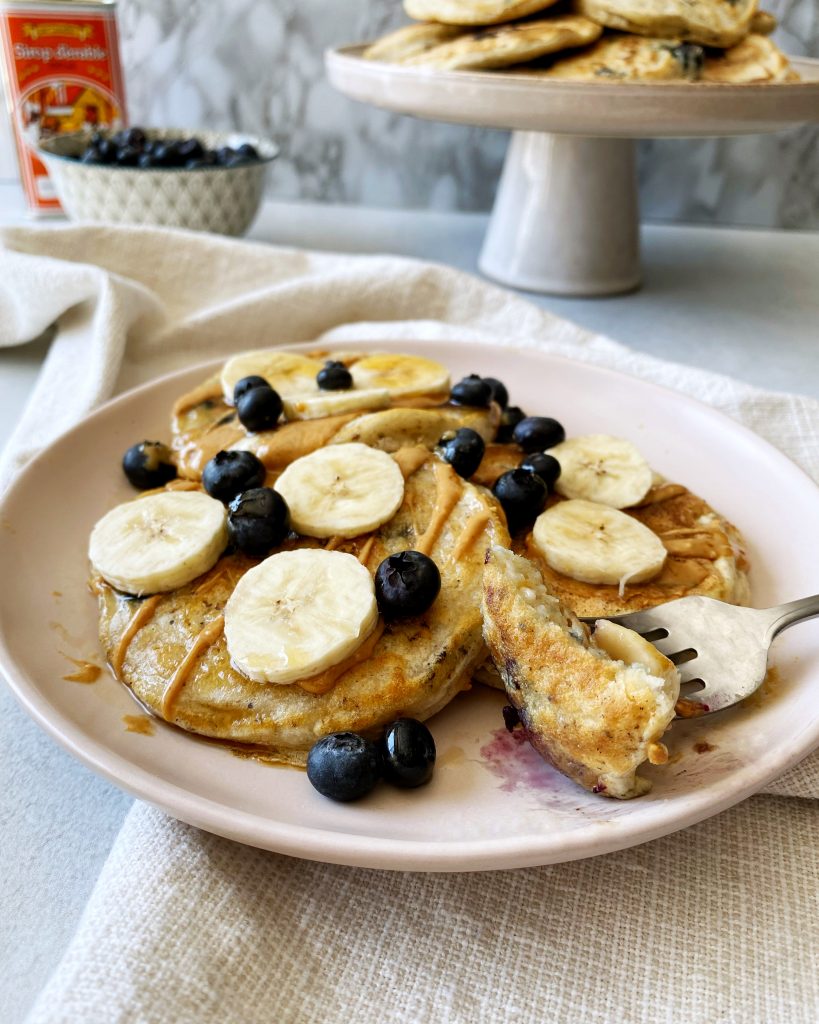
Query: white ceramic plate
{"points": [[492, 802]]}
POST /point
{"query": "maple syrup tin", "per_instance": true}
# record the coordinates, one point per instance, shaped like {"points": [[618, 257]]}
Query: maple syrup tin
{"points": [[62, 74]]}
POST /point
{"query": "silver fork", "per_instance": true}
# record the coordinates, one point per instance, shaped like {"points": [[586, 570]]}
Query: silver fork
{"points": [[721, 650]]}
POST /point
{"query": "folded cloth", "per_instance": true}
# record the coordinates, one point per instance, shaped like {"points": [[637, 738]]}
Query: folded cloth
{"points": [[716, 923]]}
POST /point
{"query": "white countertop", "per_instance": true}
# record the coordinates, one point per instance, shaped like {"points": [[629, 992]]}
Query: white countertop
{"points": [[741, 302]]}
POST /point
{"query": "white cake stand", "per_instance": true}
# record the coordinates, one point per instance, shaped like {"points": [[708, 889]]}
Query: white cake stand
{"points": [[566, 216]]}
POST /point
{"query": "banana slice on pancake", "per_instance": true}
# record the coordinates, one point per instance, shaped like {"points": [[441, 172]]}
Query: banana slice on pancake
{"points": [[404, 376], [335, 403], [597, 544], [602, 468], [298, 613], [343, 490], [159, 542], [596, 706], [289, 373]]}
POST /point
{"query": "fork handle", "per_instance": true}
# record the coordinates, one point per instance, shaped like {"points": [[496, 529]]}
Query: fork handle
{"points": [[785, 615]]}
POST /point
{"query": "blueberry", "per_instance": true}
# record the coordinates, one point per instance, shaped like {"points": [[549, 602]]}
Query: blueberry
{"points": [[343, 766], [499, 392], [408, 753], [536, 433], [107, 150], [522, 495], [237, 160], [128, 156], [247, 151], [134, 137], [406, 584], [258, 520], [190, 149], [162, 154], [91, 155], [510, 417], [334, 377], [146, 161], [546, 466], [472, 390], [463, 449], [229, 473], [148, 464], [259, 408], [247, 384], [224, 154]]}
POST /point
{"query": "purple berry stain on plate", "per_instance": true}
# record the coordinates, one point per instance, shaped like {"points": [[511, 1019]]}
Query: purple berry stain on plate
{"points": [[511, 758]]}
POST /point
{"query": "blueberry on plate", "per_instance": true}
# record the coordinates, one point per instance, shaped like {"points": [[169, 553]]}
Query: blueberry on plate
{"points": [[248, 151], [134, 137], [546, 466], [510, 417], [522, 495], [91, 155], [224, 154], [148, 464], [247, 384], [229, 473], [259, 408], [258, 520], [471, 390], [128, 156], [343, 766], [536, 433], [334, 376], [406, 584], [499, 392], [408, 753], [463, 449], [146, 161]]}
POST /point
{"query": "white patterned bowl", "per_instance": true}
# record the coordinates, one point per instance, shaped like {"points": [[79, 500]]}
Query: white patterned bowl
{"points": [[219, 199]]}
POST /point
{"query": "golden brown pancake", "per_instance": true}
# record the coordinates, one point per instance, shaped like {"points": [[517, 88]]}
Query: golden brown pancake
{"points": [[411, 40], [473, 12], [627, 58], [506, 45], [708, 22], [594, 711], [755, 59], [415, 667]]}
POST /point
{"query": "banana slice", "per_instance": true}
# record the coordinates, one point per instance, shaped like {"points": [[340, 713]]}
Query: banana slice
{"points": [[160, 542], [597, 544], [625, 645], [404, 376], [598, 467], [335, 403], [341, 491], [297, 613], [286, 372]]}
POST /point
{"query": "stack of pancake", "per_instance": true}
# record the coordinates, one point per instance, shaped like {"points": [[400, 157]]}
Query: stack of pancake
{"points": [[500, 596], [592, 40]]}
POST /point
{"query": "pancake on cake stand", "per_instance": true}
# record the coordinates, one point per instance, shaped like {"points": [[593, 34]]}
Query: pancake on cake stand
{"points": [[566, 214]]}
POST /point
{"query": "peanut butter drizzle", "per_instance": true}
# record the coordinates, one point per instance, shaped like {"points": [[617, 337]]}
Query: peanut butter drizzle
{"points": [[142, 617], [411, 458], [448, 491], [657, 753], [475, 526], [87, 671], [366, 550], [696, 543], [333, 543], [660, 493], [209, 635], [204, 392], [138, 723], [324, 681]]}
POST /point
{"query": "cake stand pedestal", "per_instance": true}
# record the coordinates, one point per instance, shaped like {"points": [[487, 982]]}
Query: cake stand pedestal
{"points": [[566, 213]]}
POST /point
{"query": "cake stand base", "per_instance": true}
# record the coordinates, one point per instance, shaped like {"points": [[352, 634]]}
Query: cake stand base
{"points": [[566, 216]]}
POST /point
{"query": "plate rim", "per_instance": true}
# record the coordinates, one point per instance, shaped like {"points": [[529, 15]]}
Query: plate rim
{"points": [[307, 842]]}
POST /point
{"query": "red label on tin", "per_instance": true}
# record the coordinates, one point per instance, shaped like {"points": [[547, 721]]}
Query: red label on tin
{"points": [[64, 74]]}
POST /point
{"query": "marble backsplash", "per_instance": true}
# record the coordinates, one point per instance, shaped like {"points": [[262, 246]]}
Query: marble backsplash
{"points": [[257, 65]]}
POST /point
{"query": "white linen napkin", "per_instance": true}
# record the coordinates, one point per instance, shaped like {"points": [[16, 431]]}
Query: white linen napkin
{"points": [[716, 923]]}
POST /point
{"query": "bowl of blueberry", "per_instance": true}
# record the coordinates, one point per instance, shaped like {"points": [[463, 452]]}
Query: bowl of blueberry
{"points": [[207, 181]]}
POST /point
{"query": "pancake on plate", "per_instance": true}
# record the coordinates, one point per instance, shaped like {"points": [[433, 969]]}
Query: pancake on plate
{"points": [[506, 45], [410, 395], [708, 22], [763, 23], [411, 40], [473, 12], [595, 705], [755, 59], [627, 58], [173, 649]]}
